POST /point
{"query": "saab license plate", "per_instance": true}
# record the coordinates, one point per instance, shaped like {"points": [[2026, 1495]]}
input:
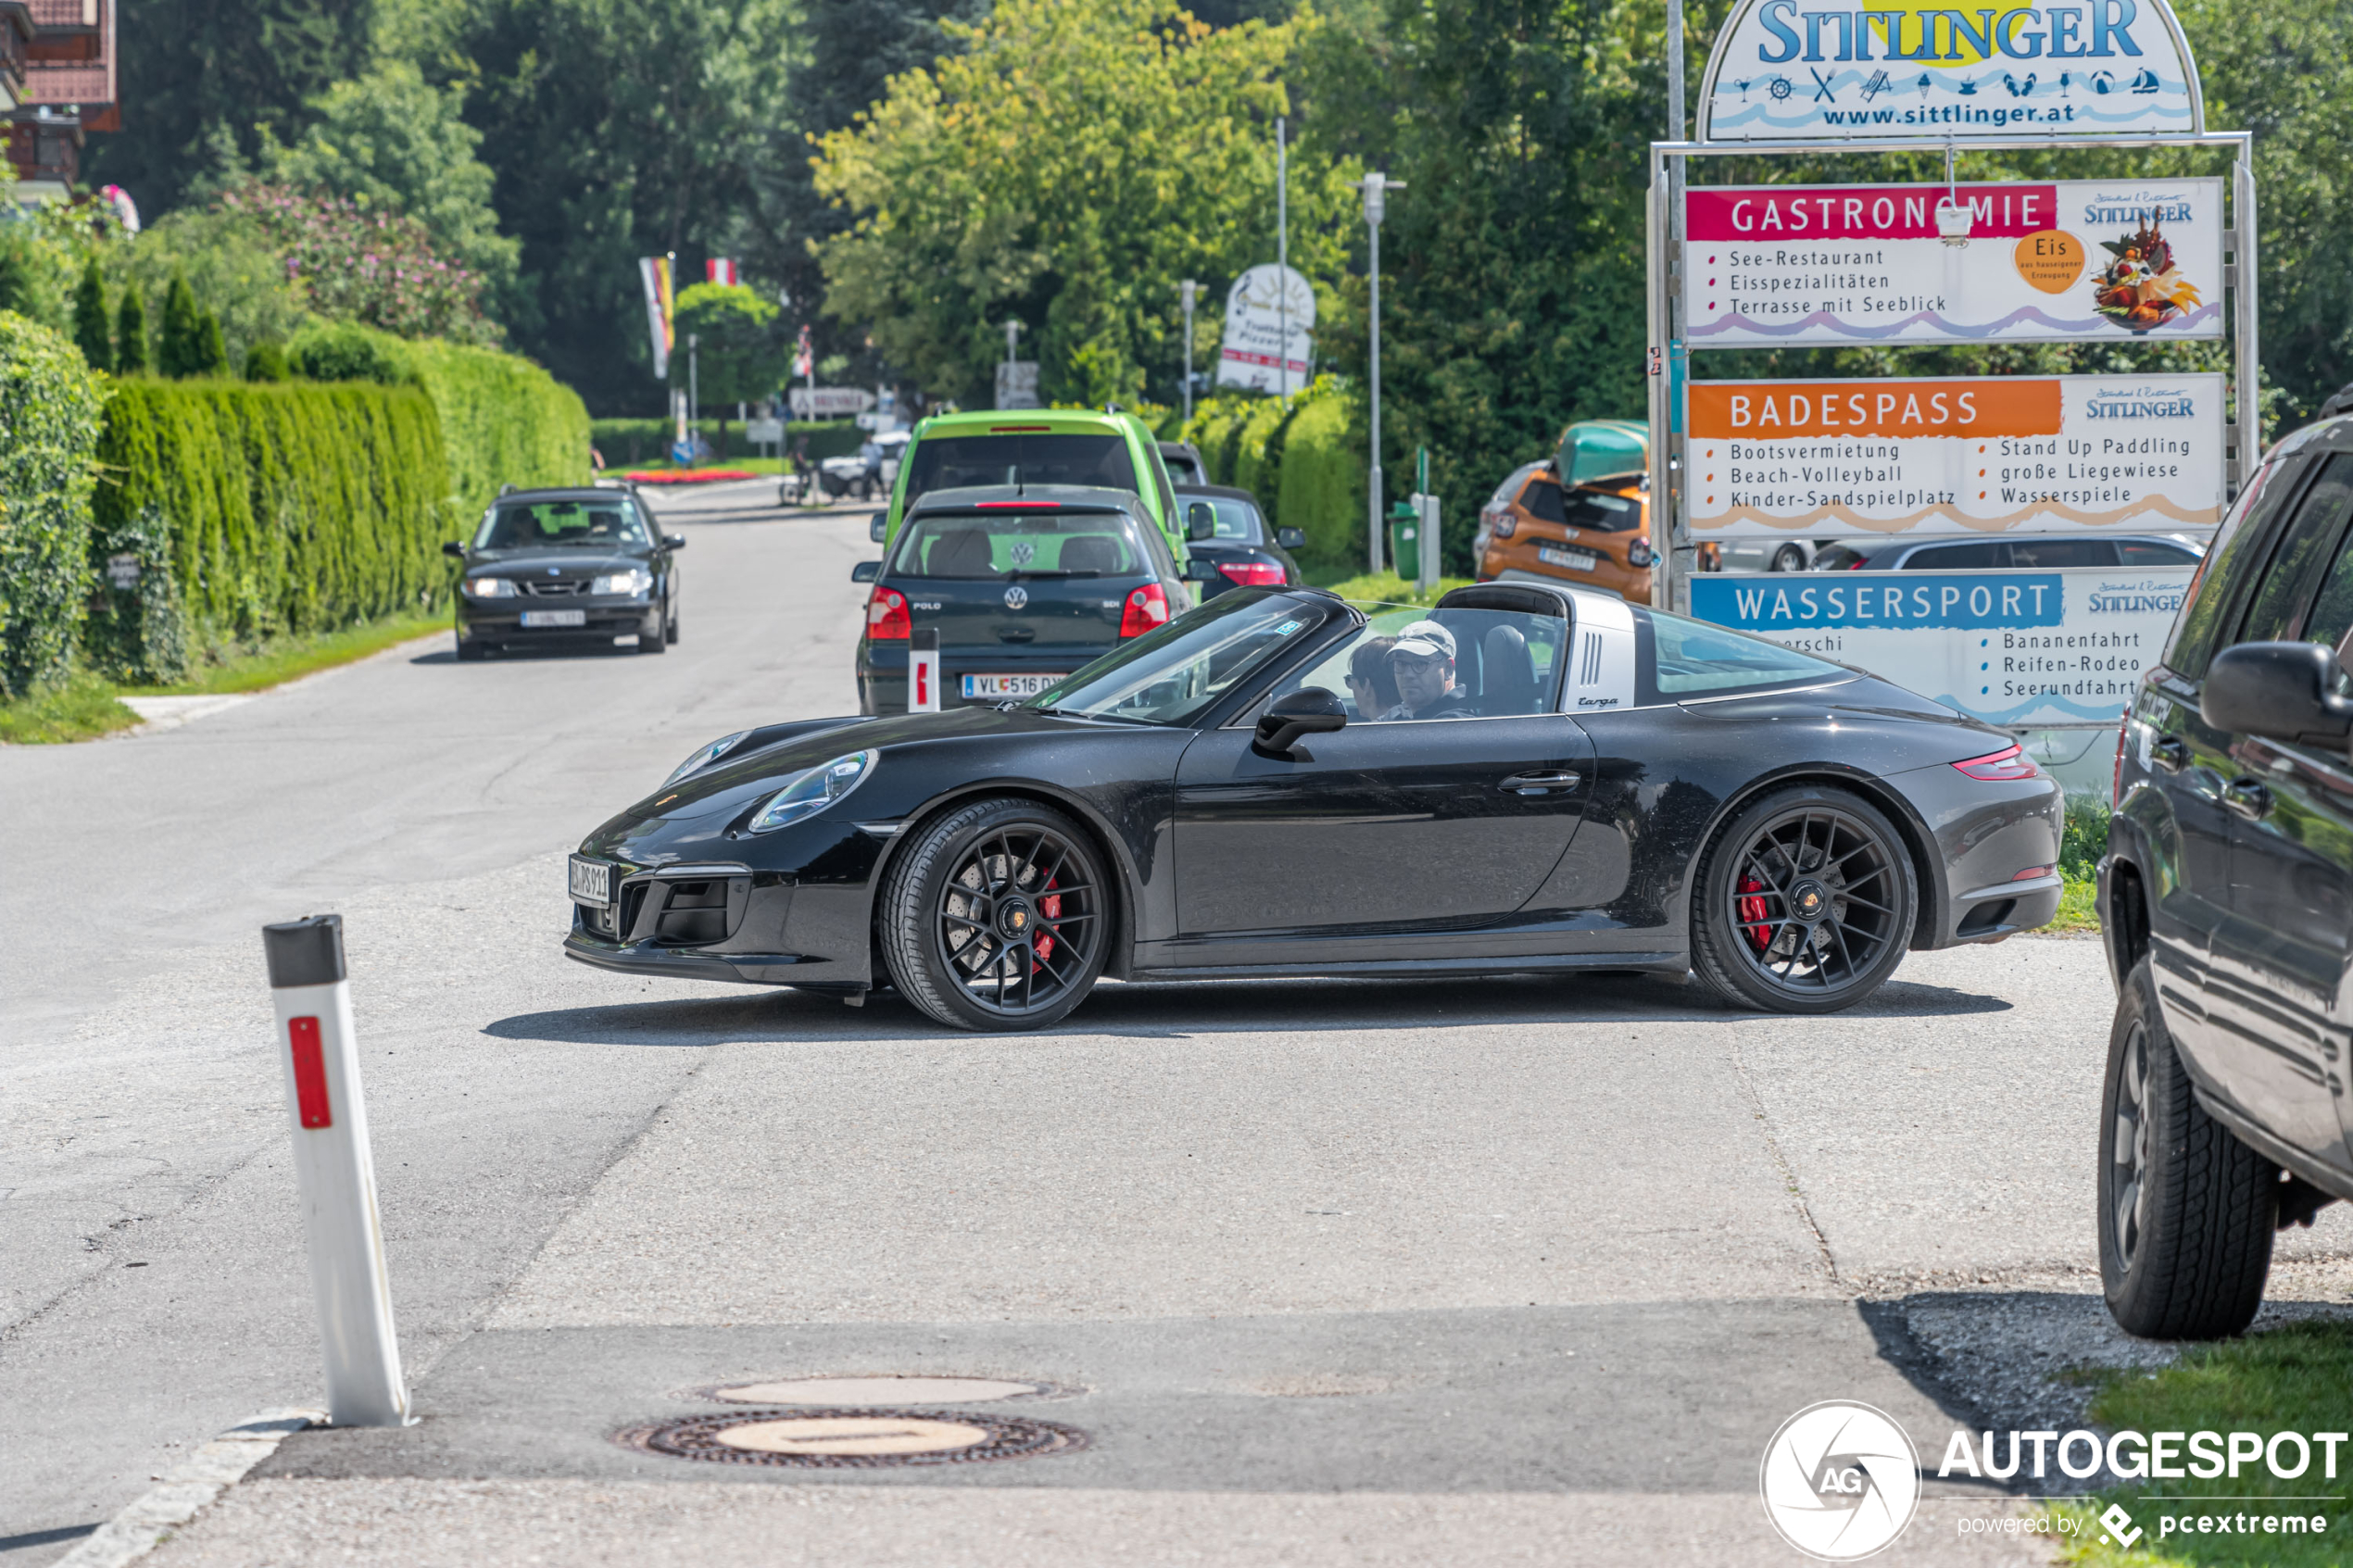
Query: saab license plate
{"points": [[1576, 561], [555, 618], [1007, 685], [591, 882]]}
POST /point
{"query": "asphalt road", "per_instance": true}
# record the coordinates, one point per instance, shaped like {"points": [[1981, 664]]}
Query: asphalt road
{"points": [[1520, 1271]]}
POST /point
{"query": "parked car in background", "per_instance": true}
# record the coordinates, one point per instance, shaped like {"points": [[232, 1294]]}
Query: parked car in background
{"points": [[1977, 554], [1534, 529], [580, 568], [1768, 554], [1183, 460], [1029, 447], [1225, 528], [1023, 585], [2226, 906], [865, 474]]}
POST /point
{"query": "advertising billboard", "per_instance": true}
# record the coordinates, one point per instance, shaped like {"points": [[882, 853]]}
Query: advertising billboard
{"points": [[1270, 317], [2075, 260], [1956, 455]]}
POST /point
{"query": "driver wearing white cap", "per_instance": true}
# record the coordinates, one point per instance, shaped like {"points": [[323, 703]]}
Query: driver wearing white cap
{"points": [[1423, 666]]}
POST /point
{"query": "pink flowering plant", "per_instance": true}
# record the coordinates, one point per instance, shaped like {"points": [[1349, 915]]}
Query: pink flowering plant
{"points": [[375, 267]]}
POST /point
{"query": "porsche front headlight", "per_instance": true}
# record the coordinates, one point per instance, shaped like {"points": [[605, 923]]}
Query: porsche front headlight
{"points": [[704, 757], [813, 791]]}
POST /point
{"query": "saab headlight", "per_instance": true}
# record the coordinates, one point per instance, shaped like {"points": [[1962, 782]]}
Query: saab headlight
{"points": [[813, 791], [636, 581], [490, 588], [705, 757]]}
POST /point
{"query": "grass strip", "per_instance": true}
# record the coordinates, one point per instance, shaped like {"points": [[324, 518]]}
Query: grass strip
{"points": [[82, 707], [2293, 1379], [287, 659]]}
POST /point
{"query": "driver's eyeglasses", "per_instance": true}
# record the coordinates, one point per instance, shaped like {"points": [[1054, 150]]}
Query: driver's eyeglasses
{"points": [[1408, 663]]}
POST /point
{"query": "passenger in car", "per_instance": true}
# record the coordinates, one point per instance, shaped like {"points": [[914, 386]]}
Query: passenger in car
{"points": [[1369, 681], [1422, 665]]}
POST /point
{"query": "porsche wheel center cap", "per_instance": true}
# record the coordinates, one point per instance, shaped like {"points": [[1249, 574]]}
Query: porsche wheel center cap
{"points": [[1015, 919], [1809, 900]]}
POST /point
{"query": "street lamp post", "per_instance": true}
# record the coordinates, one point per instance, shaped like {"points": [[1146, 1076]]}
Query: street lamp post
{"points": [[1186, 290], [693, 394], [1282, 258], [1377, 187]]}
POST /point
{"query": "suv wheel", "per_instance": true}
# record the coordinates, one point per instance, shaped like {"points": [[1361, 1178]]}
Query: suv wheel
{"points": [[1804, 902], [997, 917], [2187, 1212]]}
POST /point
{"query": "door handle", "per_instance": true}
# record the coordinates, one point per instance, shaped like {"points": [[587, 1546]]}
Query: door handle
{"points": [[1541, 783], [2169, 754], [2249, 799]]}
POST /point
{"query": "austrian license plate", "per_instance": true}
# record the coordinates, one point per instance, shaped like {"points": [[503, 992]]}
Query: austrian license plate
{"points": [[591, 880], [1007, 685], [555, 618], [1576, 561]]}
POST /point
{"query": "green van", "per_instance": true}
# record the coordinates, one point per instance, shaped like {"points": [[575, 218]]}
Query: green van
{"points": [[1111, 451]]}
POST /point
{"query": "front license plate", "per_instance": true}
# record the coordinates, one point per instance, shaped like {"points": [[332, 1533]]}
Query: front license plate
{"points": [[1007, 685], [555, 618], [1576, 561], [591, 882]]}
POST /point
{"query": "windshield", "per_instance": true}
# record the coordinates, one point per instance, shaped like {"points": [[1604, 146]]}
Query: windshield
{"points": [[560, 525], [1173, 675], [1236, 522], [957, 462], [1684, 658], [1002, 544]]}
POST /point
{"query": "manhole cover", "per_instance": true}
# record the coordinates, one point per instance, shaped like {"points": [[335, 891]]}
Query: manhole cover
{"points": [[801, 1438], [883, 1390]]}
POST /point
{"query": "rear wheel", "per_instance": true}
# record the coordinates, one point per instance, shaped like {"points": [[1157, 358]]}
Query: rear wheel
{"points": [[1804, 902], [2187, 1212], [997, 917]]}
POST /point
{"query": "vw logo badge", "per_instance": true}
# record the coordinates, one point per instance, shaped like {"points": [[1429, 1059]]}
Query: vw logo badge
{"points": [[1016, 596]]}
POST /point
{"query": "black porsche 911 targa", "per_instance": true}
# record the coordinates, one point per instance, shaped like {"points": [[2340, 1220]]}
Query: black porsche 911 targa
{"points": [[1524, 779]]}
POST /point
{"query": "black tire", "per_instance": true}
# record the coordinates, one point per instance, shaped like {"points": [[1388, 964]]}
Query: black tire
{"points": [[1789, 557], [1804, 902], [960, 900], [469, 653], [670, 631], [2187, 1212]]}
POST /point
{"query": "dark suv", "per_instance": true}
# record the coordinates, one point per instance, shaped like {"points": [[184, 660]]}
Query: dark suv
{"points": [[2226, 899]]}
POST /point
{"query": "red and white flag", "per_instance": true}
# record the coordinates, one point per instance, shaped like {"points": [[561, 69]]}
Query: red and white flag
{"points": [[720, 270]]}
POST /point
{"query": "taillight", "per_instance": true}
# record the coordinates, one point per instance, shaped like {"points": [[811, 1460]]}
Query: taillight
{"points": [[887, 617], [1857, 563], [1254, 573], [1147, 611], [2001, 767], [1639, 552]]}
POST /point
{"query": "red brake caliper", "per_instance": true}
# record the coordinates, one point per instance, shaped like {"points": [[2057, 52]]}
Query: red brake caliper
{"points": [[1050, 908], [1752, 908]]}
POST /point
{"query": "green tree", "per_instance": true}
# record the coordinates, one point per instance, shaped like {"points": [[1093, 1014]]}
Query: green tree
{"points": [[180, 351], [212, 352], [131, 334], [739, 353], [267, 361], [92, 332], [230, 263], [16, 289], [1077, 160], [391, 142]]}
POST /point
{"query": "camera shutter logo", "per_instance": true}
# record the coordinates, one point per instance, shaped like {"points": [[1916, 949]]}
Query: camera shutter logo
{"points": [[1840, 1481]]}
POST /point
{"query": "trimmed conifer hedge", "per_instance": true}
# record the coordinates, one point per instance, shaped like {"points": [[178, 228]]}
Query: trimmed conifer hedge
{"points": [[254, 509], [48, 421]]}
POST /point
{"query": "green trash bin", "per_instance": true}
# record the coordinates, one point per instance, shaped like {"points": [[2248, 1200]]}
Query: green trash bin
{"points": [[1405, 540]]}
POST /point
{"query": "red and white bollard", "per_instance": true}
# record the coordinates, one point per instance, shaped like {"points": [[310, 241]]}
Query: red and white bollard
{"points": [[923, 671], [334, 1174]]}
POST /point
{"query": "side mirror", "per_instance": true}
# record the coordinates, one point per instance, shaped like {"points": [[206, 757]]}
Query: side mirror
{"points": [[878, 528], [676, 541], [2281, 691], [1200, 522], [1291, 538], [453, 547], [1309, 711], [865, 571], [1199, 571]]}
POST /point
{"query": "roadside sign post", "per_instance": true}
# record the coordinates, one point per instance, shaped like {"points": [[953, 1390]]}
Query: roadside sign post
{"points": [[2124, 259], [335, 1172], [1187, 292]]}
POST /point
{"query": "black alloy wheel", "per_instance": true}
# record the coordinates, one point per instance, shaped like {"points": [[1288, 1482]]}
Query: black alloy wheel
{"points": [[2187, 1212], [997, 917], [1804, 903]]}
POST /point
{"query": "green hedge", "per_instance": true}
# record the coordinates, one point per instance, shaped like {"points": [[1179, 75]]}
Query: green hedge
{"points": [[1306, 466], [48, 424], [254, 510], [628, 443]]}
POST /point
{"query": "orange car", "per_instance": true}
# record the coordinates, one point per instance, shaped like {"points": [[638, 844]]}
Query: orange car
{"points": [[1597, 535]]}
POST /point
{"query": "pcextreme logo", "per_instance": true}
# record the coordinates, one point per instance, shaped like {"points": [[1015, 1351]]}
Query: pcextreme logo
{"points": [[1840, 1480]]}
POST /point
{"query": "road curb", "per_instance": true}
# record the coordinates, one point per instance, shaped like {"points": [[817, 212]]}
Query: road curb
{"points": [[189, 1489]]}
